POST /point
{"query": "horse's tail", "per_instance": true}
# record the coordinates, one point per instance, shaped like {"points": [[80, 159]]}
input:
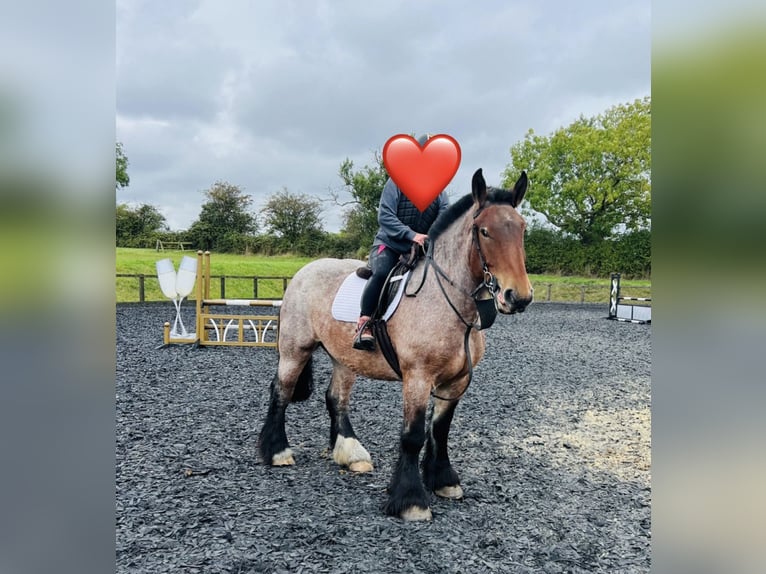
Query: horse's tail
{"points": [[305, 384]]}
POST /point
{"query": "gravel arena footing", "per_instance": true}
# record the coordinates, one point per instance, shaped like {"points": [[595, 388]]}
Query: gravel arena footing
{"points": [[551, 442]]}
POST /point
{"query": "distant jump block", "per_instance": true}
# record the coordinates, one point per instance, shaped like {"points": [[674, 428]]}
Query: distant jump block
{"points": [[634, 313], [630, 313]]}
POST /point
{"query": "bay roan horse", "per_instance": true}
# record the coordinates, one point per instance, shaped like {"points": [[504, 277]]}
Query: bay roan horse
{"points": [[477, 246]]}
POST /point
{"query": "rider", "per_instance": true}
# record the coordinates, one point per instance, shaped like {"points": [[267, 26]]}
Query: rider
{"points": [[401, 224]]}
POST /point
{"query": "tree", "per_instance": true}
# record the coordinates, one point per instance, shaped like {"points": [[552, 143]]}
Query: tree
{"points": [[122, 179], [592, 178], [135, 226], [224, 219], [365, 186], [294, 218]]}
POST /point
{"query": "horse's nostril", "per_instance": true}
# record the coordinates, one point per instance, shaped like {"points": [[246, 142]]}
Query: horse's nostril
{"points": [[516, 303]]}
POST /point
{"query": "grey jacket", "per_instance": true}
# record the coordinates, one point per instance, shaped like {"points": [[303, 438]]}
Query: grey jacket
{"points": [[399, 219]]}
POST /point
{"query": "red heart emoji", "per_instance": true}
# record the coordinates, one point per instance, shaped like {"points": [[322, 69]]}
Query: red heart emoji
{"points": [[421, 173]]}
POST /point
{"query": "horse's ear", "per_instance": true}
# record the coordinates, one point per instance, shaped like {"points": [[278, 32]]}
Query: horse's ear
{"points": [[519, 189], [479, 188]]}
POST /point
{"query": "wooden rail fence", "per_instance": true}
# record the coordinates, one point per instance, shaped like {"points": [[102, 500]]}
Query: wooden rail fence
{"points": [[141, 277]]}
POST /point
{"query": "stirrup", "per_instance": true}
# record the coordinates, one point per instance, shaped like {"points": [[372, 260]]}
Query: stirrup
{"points": [[364, 340]]}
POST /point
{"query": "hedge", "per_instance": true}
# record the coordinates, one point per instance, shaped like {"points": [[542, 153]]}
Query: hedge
{"points": [[550, 252]]}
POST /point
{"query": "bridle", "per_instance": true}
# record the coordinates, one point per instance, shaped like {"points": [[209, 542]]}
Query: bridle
{"points": [[486, 307], [487, 312]]}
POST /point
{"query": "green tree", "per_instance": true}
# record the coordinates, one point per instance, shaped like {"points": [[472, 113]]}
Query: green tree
{"points": [[122, 179], [135, 226], [593, 177], [365, 186], [224, 219], [294, 218]]}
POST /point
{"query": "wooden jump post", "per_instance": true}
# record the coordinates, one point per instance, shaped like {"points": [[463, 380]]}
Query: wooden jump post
{"points": [[212, 329]]}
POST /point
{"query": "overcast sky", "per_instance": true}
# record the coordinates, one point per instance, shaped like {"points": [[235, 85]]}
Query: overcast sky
{"points": [[273, 94]]}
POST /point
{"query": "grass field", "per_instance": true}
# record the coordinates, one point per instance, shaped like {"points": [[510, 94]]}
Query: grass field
{"points": [[137, 261], [142, 261]]}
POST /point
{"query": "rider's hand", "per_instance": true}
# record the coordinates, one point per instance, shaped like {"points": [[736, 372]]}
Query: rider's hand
{"points": [[420, 239]]}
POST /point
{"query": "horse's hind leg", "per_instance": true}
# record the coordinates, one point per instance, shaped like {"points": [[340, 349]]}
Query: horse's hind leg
{"points": [[347, 450], [438, 474], [293, 382]]}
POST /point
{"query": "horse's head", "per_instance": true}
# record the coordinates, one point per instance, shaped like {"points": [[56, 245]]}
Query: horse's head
{"points": [[499, 242]]}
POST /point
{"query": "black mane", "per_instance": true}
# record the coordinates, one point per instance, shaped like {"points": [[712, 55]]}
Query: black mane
{"points": [[461, 206]]}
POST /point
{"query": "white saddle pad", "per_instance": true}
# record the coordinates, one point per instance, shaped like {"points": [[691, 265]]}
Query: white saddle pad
{"points": [[347, 302]]}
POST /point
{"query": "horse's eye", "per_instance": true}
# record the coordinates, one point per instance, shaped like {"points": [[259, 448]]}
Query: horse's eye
{"points": [[484, 232]]}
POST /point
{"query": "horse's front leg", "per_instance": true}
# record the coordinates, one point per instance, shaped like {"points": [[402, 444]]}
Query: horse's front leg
{"points": [[438, 474], [407, 497]]}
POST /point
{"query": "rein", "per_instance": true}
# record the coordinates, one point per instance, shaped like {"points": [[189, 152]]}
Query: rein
{"points": [[486, 308]]}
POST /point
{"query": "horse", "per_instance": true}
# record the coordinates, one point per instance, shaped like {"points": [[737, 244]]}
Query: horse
{"points": [[475, 254]]}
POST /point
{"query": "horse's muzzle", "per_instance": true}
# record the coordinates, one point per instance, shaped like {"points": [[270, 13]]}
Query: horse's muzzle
{"points": [[511, 303]]}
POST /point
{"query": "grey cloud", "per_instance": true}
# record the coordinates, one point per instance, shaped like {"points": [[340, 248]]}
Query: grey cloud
{"points": [[267, 95]]}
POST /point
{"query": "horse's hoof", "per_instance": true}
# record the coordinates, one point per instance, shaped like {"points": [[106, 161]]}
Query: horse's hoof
{"points": [[416, 513], [360, 466], [453, 492], [284, 458], [350, 453]]}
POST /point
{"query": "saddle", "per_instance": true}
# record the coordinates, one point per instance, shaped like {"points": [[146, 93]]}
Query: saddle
{"points": [[387, 293]]}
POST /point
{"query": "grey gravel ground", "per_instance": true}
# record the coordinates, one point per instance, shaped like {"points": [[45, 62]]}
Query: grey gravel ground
{"points": [[551, 441]]}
